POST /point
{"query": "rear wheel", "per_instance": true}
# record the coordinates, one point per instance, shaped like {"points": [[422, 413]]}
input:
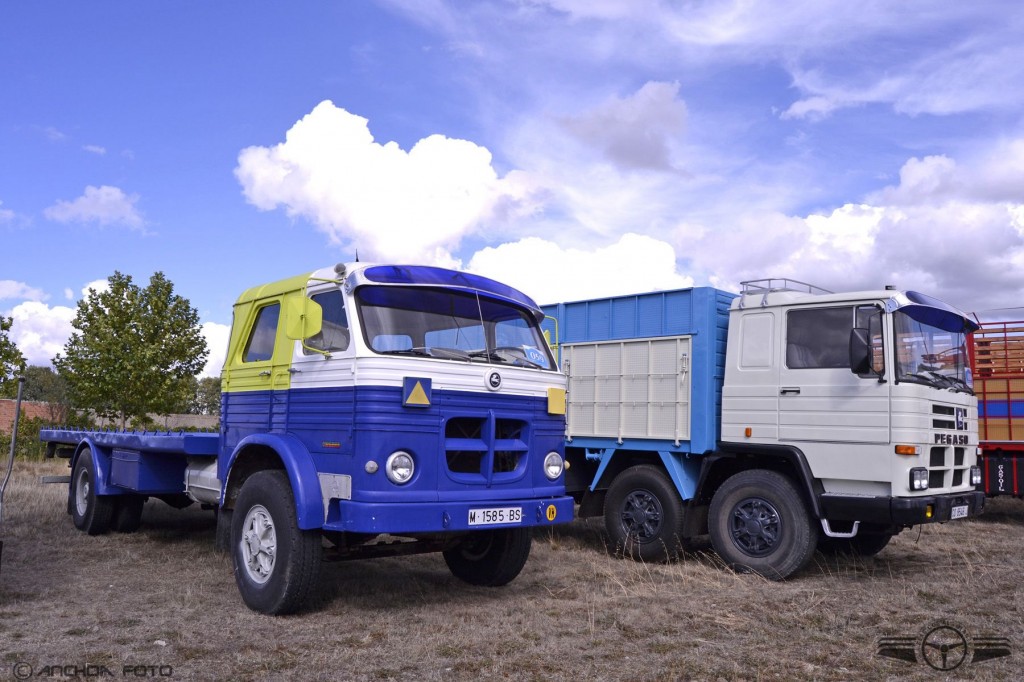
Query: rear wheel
{"points": [[91, 513], [643, 515], [758, 522], [276, 563], [490, 558]]}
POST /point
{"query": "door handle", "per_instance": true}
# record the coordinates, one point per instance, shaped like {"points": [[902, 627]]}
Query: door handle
{"points": [[265, 373], [789, 390]]}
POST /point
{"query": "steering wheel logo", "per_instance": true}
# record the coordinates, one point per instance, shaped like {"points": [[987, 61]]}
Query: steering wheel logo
{"points": [[944, 648]]}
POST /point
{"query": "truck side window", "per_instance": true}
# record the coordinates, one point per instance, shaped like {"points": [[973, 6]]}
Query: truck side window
{"points": [[334, 334], [260, 346], [818, 338]]}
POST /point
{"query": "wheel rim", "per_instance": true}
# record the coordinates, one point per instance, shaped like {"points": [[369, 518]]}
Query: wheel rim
{"points": [[477, 548], [82, 488], [755, 526], [641, 516], [258, 544]]}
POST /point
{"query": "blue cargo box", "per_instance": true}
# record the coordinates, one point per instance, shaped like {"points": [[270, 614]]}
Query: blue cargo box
{"points": [[645, 370], [151, 474]]}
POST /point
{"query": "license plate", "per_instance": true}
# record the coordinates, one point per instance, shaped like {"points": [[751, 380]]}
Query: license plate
{"points": [[959, 512], [495, 515]]}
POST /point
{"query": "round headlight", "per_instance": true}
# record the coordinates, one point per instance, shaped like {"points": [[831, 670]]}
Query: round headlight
{"points": [[553, 465], [399, 467]]}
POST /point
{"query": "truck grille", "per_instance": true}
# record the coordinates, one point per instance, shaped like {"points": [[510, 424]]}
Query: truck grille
{"points": [[946, 466], [488, 448]]}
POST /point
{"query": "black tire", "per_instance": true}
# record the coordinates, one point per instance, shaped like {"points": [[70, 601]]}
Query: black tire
{"points": [[276, 563], [490, 558], [758, 522], [860, 545], [643, 515], [128, 513], [91, 513]]}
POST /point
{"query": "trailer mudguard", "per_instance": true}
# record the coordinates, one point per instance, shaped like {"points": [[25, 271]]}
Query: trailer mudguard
{"points": [[102, 464], [684, 471], [302, 474]]}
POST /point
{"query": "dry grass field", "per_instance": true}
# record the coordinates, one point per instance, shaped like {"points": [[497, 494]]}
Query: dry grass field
{"points": [[161, 602]]}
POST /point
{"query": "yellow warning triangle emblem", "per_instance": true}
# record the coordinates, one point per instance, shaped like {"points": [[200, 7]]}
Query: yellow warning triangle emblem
{"points": [[417, 396]]}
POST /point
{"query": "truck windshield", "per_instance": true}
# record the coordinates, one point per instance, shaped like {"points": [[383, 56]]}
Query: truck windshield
{"points": [[929, 355], [450, 325]]}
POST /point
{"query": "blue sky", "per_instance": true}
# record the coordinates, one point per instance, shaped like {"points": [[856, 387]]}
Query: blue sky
{"points": [[572, 148]]}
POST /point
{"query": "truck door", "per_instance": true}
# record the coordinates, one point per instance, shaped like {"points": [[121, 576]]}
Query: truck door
{"points": [[821, 401], [256, 376], [322, 408]]}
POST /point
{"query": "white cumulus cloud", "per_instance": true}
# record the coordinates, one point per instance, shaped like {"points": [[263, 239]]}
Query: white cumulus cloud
{"points": [[951, 228], [388, 203], [104, 205], [217, 336], [550, 273], [638, 131], [40, 331], [10, 289]]}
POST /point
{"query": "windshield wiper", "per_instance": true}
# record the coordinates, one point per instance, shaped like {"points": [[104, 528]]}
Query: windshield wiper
{"points": [[926, 378], [930, 378], [505, 358], [436, 352], [960, 385], [423, 352]]}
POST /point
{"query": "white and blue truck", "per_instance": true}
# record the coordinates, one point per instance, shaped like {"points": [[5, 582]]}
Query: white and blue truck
{"points": [[778, 421], [367, 410]]}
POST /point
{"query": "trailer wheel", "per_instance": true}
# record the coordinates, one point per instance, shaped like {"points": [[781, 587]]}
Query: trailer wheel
{"points": [[860, 545], [91, 513], [643, 515], [490, 558], [128, 513], [276, 563], [758, 522]]}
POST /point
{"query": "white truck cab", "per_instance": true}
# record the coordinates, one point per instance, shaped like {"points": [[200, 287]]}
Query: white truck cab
{"points": [[870, 390]]}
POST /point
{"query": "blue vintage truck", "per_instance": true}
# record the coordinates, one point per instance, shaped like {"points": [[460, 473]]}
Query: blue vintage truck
{"points": [[778, 421], [367, 410]]}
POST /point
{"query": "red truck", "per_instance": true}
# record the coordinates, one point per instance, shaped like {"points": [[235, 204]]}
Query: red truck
{"points": [[997, 357]]}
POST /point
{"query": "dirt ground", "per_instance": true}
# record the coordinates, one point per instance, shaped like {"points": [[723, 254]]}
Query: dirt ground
{"points": [[160, 603]]}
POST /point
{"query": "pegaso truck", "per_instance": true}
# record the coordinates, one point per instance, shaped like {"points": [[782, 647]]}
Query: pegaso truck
{"points": [[367, 410], [777, 421]]}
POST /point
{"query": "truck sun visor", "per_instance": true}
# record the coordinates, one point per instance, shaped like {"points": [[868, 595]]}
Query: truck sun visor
{"points": [[424, 275], [931, 311]]}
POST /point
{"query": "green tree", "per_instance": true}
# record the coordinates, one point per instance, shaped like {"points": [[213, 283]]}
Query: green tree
{"points": [[43, 385], [207, 400], [12, 362], [135, 350]]}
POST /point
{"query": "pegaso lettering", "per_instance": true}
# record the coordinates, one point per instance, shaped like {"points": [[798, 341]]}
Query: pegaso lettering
{"points": [[951, 439]]}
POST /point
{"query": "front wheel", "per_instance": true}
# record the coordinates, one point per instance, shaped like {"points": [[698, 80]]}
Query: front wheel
{"points": [[276, 563], [758, 522], [643, 515], [91, 513], [490, 558]]}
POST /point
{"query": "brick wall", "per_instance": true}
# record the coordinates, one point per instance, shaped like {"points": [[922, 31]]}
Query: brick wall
{"points": [[50, 413], [29, 409]]}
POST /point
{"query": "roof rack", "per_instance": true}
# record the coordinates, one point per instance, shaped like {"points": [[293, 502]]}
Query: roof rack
{"points": [[774, 284], [764, 286]]}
